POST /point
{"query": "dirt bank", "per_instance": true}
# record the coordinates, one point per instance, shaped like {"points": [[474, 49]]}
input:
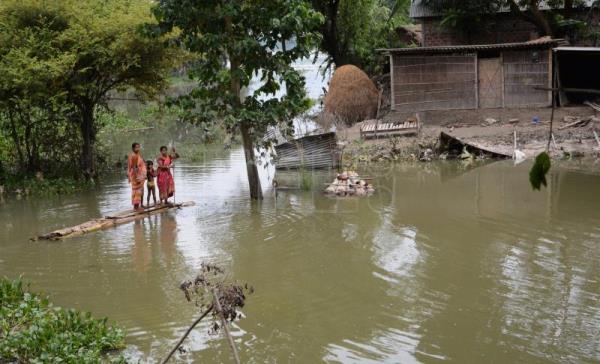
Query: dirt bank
{"points": [[491, 128]]}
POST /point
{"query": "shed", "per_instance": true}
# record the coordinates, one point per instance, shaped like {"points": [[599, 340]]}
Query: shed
{"points": [[471, 76], [578, 78], [309, 152]]}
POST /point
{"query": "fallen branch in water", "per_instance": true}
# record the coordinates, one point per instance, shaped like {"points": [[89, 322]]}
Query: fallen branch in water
{"points": [[225, 328], [210, 308], [211, 289]]}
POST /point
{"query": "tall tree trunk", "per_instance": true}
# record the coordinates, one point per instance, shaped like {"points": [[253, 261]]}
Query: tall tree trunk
{"points": [[540, 19], [251, 168], [330, 41], [534, 15], [88, 136]]}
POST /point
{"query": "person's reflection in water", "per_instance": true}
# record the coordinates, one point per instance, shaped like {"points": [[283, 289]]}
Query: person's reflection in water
{"points": [[168, 235], [141, 252]]}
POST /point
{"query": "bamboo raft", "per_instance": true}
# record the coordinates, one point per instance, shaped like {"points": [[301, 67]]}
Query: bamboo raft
{"points": [[109, 221]]}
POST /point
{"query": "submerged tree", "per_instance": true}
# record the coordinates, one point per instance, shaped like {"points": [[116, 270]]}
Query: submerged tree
{"points": [[237, 40]]}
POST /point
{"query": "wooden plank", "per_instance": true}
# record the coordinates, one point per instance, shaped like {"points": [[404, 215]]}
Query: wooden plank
{"points": [[451, 142], [490, 83]]}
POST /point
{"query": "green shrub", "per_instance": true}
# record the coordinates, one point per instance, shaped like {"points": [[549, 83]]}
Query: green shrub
{"points": [[32, 330], [27, 186]]}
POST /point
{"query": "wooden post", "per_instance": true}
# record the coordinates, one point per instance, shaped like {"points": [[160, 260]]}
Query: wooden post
{"points": [[596, 136], [476, 62], [554, 141], [514, 144], [392, 98], [553, 96], [187, 332]]}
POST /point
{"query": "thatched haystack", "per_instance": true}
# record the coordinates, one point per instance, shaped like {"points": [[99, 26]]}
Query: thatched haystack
{"points": [[352, 96]]}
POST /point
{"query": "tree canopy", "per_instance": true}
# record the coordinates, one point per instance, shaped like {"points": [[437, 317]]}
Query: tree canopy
{"points": [[354, 29], [553, 17], [236, 40], [61, 60]]}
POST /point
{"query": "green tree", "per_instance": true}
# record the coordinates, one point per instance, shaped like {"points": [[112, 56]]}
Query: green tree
{"points": [[553, 18], [83, 50], [236, 40], [354, 29], [31, 102]]}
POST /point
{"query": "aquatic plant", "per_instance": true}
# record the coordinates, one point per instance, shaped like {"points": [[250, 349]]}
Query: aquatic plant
{"points": [[306, 180], [32, 330], [537, 174]]}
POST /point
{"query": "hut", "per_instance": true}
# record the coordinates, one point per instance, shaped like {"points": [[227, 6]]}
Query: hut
{"points": [[471, 76]]}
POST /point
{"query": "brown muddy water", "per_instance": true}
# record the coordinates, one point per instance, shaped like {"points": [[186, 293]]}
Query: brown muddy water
{"points": [[443, 263]]}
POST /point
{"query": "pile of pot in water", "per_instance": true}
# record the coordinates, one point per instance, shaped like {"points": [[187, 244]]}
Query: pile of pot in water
{"points": [[349, 184]]}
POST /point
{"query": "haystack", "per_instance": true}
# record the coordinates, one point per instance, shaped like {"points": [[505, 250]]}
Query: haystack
{"points": [[352, 96]]}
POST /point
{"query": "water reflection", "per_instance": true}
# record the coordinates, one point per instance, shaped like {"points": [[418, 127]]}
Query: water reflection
{"points": [[442, 264]]}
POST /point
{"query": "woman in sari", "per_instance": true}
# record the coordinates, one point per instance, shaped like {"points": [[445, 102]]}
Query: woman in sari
{"points": [[166, 184], [136, 171]]}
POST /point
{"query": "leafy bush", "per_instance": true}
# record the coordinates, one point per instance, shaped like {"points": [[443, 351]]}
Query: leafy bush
{"points": [[32, 330], [43, 187]]}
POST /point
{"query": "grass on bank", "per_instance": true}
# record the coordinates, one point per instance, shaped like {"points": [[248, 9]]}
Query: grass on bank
{"points": [[32, 330]]}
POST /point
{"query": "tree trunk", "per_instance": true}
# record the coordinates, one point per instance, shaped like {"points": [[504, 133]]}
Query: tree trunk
{"points": [[540, 19], [330, 41], [88, 136], [534, 16], [251, 168], [16, 139]]}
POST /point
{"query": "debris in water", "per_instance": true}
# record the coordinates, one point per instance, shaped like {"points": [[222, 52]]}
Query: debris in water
{"points": [[212, 277], [349, 184]]}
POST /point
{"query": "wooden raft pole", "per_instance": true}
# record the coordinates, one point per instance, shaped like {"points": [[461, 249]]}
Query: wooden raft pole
{"points": [[119, 218]]}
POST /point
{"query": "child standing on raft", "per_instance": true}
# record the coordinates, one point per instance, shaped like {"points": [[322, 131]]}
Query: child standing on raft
{"points": [[150, 184]]}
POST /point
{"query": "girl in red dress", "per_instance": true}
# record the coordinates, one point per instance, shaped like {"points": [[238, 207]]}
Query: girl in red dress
{"points": [[166, 184]]}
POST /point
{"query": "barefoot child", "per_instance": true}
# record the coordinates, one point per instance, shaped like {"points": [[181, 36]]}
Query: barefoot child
{"points": [[150, 185]]}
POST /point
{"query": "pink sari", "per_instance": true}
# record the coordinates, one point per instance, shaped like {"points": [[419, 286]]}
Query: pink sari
{"points": [[136, 172], [166, 184]]}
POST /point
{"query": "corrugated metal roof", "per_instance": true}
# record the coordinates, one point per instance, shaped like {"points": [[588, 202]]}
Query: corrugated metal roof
{"points": [[545, 43], [578, 49], [419, 9]]}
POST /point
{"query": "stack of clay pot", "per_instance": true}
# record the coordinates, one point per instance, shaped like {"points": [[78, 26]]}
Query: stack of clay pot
{"points": [[349, 184]]}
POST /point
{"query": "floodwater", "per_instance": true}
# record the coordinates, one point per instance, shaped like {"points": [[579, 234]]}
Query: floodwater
{"points": [[443, 263]]}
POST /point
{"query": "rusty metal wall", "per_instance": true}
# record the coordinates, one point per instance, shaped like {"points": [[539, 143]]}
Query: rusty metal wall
{"points": [[310, 152]]}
